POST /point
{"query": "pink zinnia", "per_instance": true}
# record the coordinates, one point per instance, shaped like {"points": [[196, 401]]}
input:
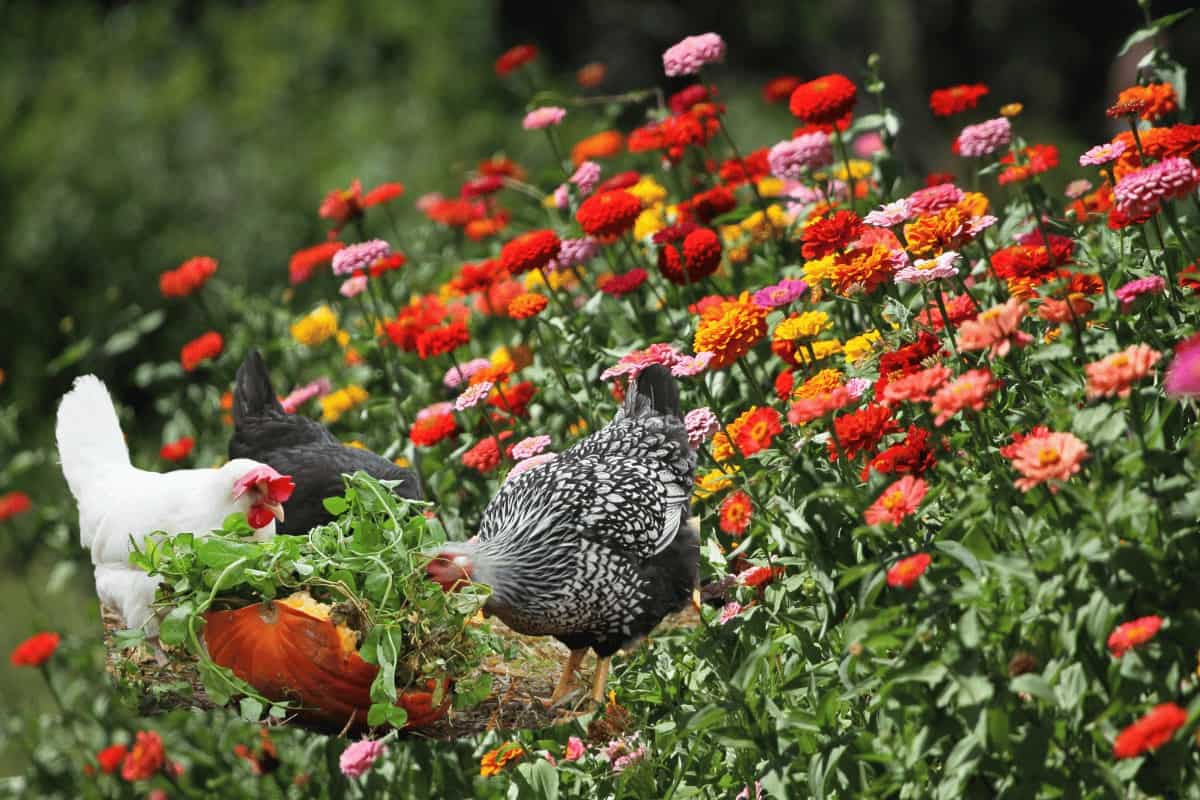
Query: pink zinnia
{"points": [[702, 424], [358, 757], [526, 464], [969, 390], [857, 387], [810, 408], [918, 387], [1183, 376], [687, 366], [530, 446], [457, 375], [996, 330], [633, 363], [894, 213], [1103, 154], [361, 256], [791, 158], [689, 55], [1078, 188], [436, 410], [302, 394], [473, 395], [1046, 457], [933, 198], [575, 749], [572, 252], [785, 292], [1115, 374], [924, 270], [353, 286], [868, 144], [729, 611], [1131, 291], [897, 502], [1140, 193], [543, 117], [984, 139], [585, 177]]}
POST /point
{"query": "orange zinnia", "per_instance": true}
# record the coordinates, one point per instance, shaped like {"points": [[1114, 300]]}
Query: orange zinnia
{"points": [[758, 427], [729, 329], [494, 761], [736, 510], [1131, 634]]}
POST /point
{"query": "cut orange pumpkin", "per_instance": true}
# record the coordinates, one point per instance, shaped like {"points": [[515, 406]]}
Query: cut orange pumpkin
{"points": [[289, 650]]}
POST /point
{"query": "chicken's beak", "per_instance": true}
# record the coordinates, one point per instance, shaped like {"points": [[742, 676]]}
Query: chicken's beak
{"points": [[275, 508]]}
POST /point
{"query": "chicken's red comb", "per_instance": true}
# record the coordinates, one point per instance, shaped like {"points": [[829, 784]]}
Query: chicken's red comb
{"points": [[279, 487]]}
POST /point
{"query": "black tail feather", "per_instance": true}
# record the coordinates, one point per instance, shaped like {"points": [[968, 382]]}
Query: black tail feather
{"points": [[658, 386], [253, 393]]}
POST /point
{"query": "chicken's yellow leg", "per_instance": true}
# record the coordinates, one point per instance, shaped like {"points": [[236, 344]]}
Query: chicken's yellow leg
{"points": [[568, 676], [600, 680]]}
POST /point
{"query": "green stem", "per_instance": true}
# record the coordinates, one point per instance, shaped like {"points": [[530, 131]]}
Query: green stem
{"points": [[841, 143], [947, 326]]}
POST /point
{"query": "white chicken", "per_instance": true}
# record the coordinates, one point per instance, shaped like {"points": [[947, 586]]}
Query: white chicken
{"points": [[119, 503]]}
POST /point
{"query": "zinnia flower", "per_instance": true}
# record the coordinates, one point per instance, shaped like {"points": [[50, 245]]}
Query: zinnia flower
{"points": [[905, 573], [335, 404], [756, 429], [357, 759], [472, 396], [526, 464], [956, 99], [1046, 457], [429, 430], [543, 117], [729, 611], [701, 424], [484, 456], [918, 387], [200, 349], [924, 270], [729, 329], [530, 446], [110, 758], [1103, 154], [996, 329], [494, 761], [897, 502], [1154, 100], [527, 305], [1143, 191], [315, 328], [824, 101], [440, 341], [1150, 732], [1183, 376], [792, 158], [359, 257], [689, 366], [786, 292], [1129, 635], [736, 510], [353, 286], [623, 284], [609, 214], [1130, 292], [515, 58], [890, 215], [604, 144], [304, 262], [861, 431], [530, 251], [177, 450], [187, 277], [1115, 374], [969, 390], [575, 749], [689, 55], [34, 651], [984, 139], [145, 758], [14, 503]]}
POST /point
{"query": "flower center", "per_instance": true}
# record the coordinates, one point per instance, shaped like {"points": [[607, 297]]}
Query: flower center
{"points": [[1120, 360], [893, 500], [1047, 455]]}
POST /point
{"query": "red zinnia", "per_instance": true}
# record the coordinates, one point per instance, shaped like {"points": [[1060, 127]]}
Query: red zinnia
{"points": [[304, 262], [824, 100], [439, 341], [477, 277], [860, 431], [831, 234], [145, 759], [905, 573], [177, 450], [514, 58], [897, 502], [755, 577], [785, 382], [387, 264], [938, 178], [1039, 158], [701, 253], [622, 180], [708, 204], [529, 251], [754, 166], [736, 511], [778, 90], [383, 193], [202, 348], [956, 99], [607, 215], [342, 205], [111, 757], [913, 456], [14, 503], [1131, 634], [187, 277], [429, 430], [621, 285], [1150, 732], [758, 430], [34, 651], [513, 399], [485, 455]]}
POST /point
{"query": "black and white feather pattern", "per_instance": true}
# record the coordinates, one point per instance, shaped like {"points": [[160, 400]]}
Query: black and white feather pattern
{"points": [[592, 547]]}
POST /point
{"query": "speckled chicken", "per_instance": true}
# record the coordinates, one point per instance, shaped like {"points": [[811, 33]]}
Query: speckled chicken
{"points": [[595, 547]]}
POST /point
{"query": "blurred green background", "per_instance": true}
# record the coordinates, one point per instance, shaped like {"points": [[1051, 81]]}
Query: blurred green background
{"points": [[136, 135]]}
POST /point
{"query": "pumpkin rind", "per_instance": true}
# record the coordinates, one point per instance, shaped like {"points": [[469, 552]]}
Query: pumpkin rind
{"points": [[287, 654]]}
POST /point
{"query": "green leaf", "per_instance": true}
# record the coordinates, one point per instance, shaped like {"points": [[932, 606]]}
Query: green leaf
{"points": [[174, 628], [1033, 684], [250, 709], [336, 505], [705, 718], [120, 342], [961, 554], [542, 778]]}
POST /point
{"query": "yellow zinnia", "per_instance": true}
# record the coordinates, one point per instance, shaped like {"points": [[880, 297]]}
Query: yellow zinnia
{"points": [[317, 327], [648, 191], [334, 404], [860, 347]]}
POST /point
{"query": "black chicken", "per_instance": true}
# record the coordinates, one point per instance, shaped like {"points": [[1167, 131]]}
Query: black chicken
{"points": [[593, 548], [301, 447]]}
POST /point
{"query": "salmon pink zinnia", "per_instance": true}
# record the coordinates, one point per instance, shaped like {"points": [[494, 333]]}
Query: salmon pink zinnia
{"points": [[969, 390], [1046, 457], [1128, 635], [905, 573], [1115, 374], [898, 501], [996, 330]]}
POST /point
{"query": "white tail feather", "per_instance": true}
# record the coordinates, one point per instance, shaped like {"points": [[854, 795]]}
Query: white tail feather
{"points": [[90, 444]]}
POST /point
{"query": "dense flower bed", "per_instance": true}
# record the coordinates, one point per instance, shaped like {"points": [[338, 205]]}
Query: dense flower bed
{"points": [[947, 442]]}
